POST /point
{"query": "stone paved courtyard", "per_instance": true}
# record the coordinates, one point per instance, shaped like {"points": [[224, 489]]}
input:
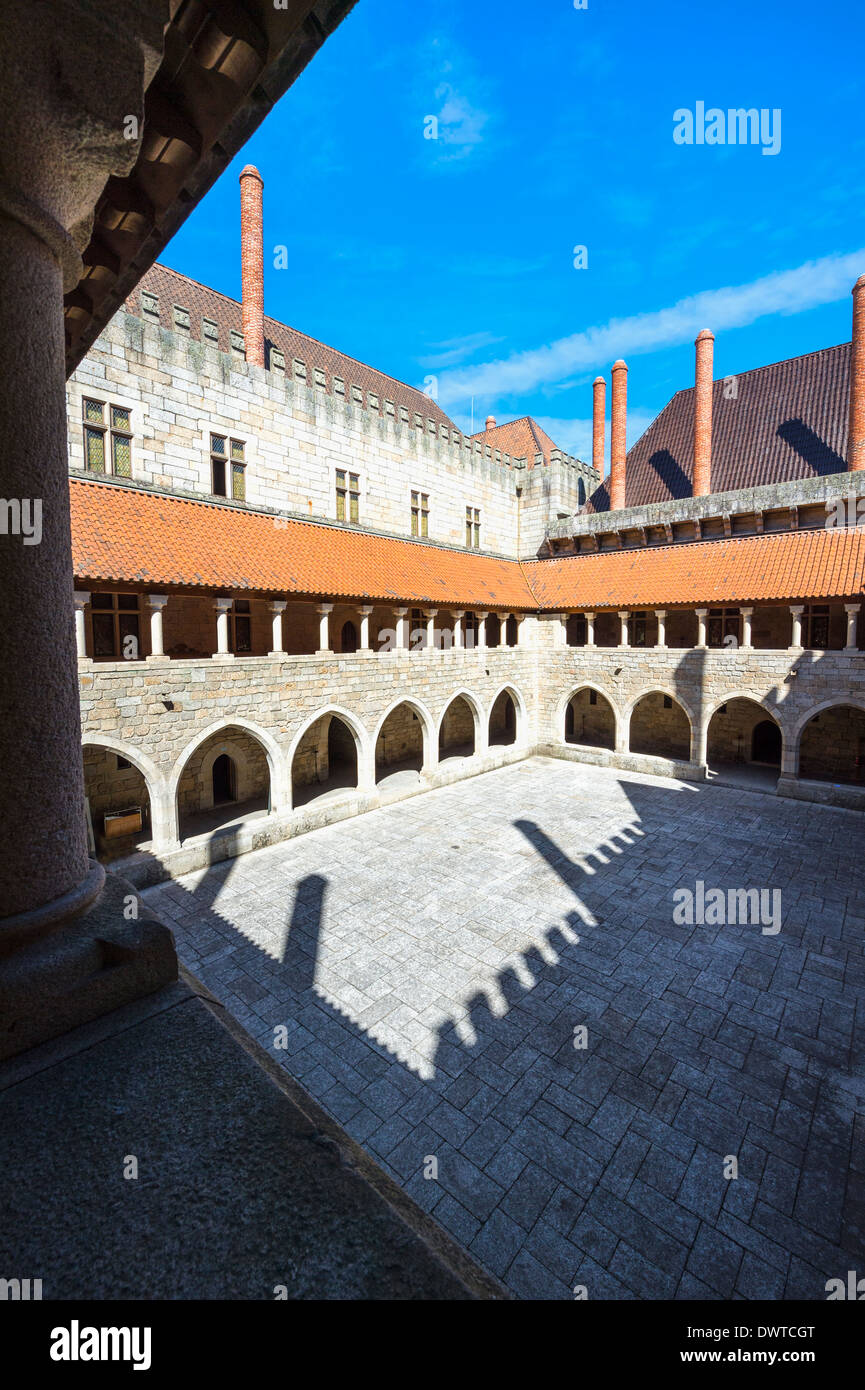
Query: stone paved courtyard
{"points": [[432, 960]]}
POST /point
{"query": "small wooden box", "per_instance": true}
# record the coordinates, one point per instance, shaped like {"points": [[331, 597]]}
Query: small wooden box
{"points": [[120, 823]]}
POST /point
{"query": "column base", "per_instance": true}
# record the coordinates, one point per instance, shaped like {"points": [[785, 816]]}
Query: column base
{"points": [[162, 658], [84, 969]]}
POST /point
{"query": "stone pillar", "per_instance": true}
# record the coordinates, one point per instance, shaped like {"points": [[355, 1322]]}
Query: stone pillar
{"points": [[277, 608], [623, 627], [324, 611], [402, 626], [618, 436], [661, 615], [430, 614], [156, 603], [81, 599], [482, 631], [365, 612], [503, 629], [590, 629], [702, 615], [458, 629], [222, 607], [796, 611], [71, 73], [852, 611], [747, 615]]}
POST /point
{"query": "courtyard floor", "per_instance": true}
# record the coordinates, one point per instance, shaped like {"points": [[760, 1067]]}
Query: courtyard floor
{"points": [[431, 962]]}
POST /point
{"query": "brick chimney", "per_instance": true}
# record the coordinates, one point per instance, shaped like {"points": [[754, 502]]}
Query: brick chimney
{"points": [[618, 435], [703, 374], [252, 263], [599, 407], [491, 422], [856, 434]]}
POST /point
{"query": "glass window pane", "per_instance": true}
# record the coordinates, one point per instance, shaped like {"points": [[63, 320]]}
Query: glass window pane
{"points": [[242, 635], [354, 507], [122, 451], [238, 482], [236, 449], [101, 600], [127, 624], [127, 601], [218, 478], [94, 443], [340, 506], [93, 410], [120, 417], [103, 634], [217, 444]]}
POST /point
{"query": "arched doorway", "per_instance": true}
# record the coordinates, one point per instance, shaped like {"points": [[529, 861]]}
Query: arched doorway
{"points": [[225, 782], [503, 721], [660, 727], [325, 762], [399, 748], [348, 637], [590, 720], [743, 745], [832, 746], [224, 775], [118, 803], [457, 730]]}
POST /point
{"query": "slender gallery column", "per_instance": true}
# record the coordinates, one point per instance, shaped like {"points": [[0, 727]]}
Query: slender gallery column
{"points": [[223, 608], [702, 614], [277, 608], [81, 600], [852, 611], [623, 627], [747, 615], [661, 615], [796, 611], [430, 614], [458, 629], [324, 611], [590, 629], [482, 631], [402, 626], [156, 603], [365, 612]]}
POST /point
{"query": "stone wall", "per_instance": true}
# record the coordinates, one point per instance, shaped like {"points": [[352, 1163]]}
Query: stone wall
{"points": [[296, 436]]}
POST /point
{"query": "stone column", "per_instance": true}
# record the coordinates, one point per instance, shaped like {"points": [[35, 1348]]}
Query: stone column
{"points": [[156, 603], [324, 611], [702, 614], [503, 629], [430, 614], [81, 599], [623, 627], [277, 608], [222, 607], [482, 631], [365, 612], [590, 629], [402, 626], [796, 611], [71, 75], [661, 615], [747, 615], [458, 629], [852, 611]]}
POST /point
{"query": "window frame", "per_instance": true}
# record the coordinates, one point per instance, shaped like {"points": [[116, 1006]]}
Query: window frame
{"points": [[347, 496], [233, 466], [111, 434], [419, 514], [473, 528], [119, 615]]}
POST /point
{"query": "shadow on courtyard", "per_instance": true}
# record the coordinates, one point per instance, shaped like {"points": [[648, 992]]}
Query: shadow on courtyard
{"points": [[602, 1165]]}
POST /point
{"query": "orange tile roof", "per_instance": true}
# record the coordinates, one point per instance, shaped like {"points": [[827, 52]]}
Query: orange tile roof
{"points": [[125, 535], [759, 569], [522, 439]]}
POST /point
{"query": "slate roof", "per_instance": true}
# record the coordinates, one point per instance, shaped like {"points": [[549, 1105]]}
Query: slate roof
{"points": [[786, 421]]}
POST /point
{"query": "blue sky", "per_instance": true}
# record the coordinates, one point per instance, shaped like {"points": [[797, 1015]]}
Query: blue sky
{"points": [[454, 257]]}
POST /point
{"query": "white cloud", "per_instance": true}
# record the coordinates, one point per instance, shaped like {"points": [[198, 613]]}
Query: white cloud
{"points": [[460, 125], [454, 350], [783, 292]]}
